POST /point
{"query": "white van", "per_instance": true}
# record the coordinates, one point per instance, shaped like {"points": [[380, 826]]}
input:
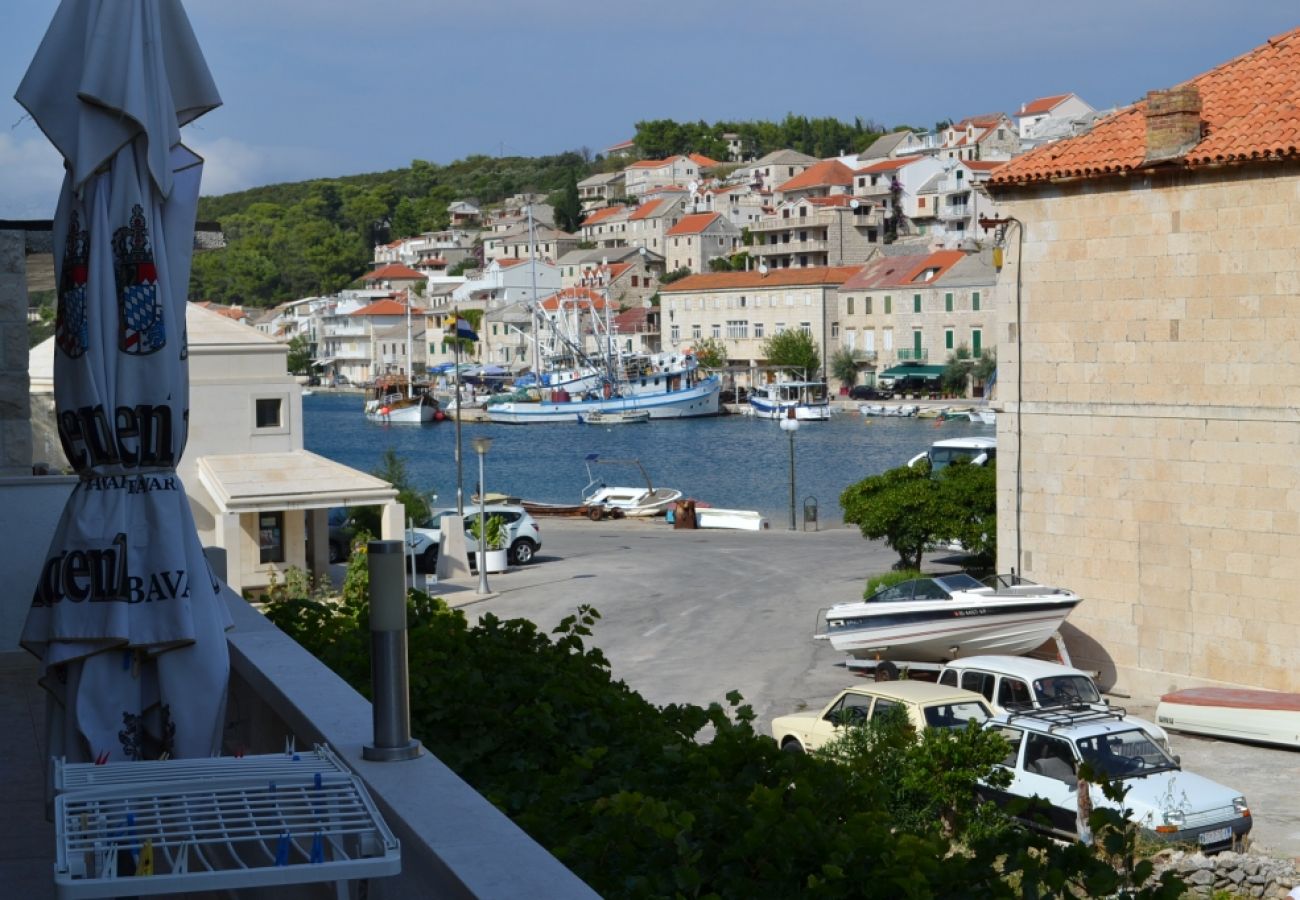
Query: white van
{"points": [[978, 450]]}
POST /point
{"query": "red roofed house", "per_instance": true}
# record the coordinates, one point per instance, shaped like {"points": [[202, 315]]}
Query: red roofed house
{"points": [[824, 179], [1151, 376], [622, 148], [698, 238], [394, 277], [607, 227], [642, 176], [1060, 106], [637, 330], [991, 136]]}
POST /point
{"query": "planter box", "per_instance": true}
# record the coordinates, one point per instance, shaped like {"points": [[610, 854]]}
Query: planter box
{"points": [[497, 560]]}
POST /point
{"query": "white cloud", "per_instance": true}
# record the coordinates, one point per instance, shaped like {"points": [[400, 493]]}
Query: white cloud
{"points": [[232, 165], [31, 175]]}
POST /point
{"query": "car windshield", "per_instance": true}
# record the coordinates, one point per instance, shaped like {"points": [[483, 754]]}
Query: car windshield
{"points": [[1125, 754], [1058, 689], [955, 715]]}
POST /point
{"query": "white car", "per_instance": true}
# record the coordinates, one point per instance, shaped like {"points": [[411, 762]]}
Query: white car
{"points": [[1048, 745], [524, 534], [1018, 684], [928, 705]]}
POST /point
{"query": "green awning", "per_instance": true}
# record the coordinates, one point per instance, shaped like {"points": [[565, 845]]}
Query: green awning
{"points": [[923, 371]]}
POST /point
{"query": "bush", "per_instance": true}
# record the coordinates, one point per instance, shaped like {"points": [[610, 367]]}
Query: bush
{"points": [[889, 579]]}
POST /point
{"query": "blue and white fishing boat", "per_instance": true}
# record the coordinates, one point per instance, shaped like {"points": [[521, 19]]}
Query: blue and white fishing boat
{"points": [[808, 399]]}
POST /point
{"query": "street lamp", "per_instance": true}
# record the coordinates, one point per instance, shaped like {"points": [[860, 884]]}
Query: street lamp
{"points": [[790, 425], [481, 445]]}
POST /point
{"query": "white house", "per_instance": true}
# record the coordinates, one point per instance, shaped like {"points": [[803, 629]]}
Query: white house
{"points": [[1059, 106]]}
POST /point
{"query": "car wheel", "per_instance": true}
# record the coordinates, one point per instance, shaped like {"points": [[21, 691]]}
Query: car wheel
{"points": [[886, 671], [521, 554], [429, 559], [792, 746], [336, 552]]}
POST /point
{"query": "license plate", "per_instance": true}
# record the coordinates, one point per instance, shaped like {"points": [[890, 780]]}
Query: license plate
{"points": [[1215, 836]]}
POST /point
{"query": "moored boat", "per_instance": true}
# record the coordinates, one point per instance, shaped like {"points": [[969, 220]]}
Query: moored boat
{"points": [[1244, 714], [738, 519], [630, 501], [616, 417], [948, 616], [395, 408], [808, 399]]}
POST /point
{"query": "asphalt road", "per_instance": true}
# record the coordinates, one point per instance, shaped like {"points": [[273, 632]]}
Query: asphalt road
{"points": [[687, 616]]}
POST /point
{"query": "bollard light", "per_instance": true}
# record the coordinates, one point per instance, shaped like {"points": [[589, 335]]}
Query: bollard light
{"points": [[391, 706], [481, 445]]}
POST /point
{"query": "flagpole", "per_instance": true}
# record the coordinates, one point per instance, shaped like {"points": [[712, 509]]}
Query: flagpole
{"points": [[460, 471]]}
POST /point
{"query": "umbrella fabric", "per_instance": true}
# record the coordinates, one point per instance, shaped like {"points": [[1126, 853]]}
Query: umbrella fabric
{"points": [[127, 616]]}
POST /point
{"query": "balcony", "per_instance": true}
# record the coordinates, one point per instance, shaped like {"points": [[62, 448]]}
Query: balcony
{"points": [[792, 247], [955, 211], [913, 355]]}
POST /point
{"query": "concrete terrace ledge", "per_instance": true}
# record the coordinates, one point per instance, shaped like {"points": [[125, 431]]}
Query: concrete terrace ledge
{"points": [[454, 842]]}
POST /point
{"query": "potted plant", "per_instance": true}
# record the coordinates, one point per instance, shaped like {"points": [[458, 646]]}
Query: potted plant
{"points": [[498, 558]]}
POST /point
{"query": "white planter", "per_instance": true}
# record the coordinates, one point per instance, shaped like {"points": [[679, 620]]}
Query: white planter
{"points": [[497, 560]]}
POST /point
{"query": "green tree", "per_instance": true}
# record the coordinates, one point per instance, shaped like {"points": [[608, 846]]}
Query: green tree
{"points": [[567, 206], [415, 503], [844, 367], [299, 359], [793, 350], [675, 275], [968, 495], [711, 353], [984, 367], [956, 371], [900, 506]]}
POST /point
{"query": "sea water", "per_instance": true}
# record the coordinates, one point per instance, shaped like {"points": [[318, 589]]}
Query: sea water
{"points": [[736, 462]]}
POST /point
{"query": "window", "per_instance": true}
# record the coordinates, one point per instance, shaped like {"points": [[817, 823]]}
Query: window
{"points": [[789, 299], [888, 339], [675, 333], [920, 203], [979, 682], [1050, 757], [866, 305], [869, 340], [889, 305], [849, 306], [742, 302], [835, 329], [916, 344], [1013, 691], [805, 327], [715, 330], [717, 303], [634, 281], [779, 328], [1013, 737], [270, 537], [975, 343], [268, 412], [975, 301], [737, 328], [947, 338], [916, 303], [758, 329], [695, 332], [947, 302]]}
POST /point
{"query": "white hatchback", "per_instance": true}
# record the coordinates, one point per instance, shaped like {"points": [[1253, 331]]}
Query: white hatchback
{"points": [[522, 530]]}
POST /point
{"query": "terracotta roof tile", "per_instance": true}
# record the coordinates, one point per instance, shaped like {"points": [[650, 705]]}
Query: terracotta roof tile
{"points": [[703, 161], [693, 224], [717, 281], [582, 296], [826, 173], [1042, 105], [383, 308], [1250, 107], [644, 210], [885, 165], [393, 272], [602, 214]]}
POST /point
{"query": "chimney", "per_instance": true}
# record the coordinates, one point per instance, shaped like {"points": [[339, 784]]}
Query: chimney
{"points": [[1173, 123]]}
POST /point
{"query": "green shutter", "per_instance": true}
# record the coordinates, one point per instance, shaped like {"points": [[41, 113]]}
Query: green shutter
{"points": [[916, 344], [947, 339], [975, 301], [916, 303], [947, 302], [975, 341], [889, 304]]}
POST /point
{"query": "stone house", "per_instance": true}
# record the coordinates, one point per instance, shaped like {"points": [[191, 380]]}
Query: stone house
{"points": [[1150, 369], [992, 136], [778, 167], [642, 177], [1032, 116], [600, 190], [698, 238]]}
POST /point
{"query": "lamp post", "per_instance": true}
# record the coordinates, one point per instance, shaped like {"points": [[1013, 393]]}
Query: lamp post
{"points": [[481, 445], [790, 425]]}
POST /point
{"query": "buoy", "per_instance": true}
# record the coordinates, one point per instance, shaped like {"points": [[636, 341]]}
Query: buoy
{"points": [[439, 416], [384, 410]]}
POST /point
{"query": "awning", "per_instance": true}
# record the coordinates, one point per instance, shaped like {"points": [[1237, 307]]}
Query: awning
{"points": [[903, 370], [298, 479]]}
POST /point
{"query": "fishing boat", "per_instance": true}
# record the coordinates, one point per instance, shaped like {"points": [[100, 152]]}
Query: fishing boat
{"points": [[881, 409], [616, 417], [774, 400], [630, 501], [946, 617], [1243, 714], [398, 408]]}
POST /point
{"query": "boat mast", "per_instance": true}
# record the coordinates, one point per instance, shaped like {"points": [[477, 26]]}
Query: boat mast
{"points": [[410, 360], [535, 308], [460, 469]]}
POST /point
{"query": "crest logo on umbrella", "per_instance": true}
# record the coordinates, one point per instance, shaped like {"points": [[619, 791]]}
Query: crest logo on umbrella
{"points": [[139, 308], [70, 334]]}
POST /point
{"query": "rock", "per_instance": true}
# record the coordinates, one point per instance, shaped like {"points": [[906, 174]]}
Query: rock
{"points": [[1236, 876], [1201, 877], [1252, 866]]}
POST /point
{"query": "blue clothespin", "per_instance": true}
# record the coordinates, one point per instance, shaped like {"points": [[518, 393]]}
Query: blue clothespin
{"points": [[282, 850], [318, 848], [317, 779]]}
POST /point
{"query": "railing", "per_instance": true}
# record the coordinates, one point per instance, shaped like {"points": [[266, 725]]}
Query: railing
{"points": [[913, 355], [955, 212]]}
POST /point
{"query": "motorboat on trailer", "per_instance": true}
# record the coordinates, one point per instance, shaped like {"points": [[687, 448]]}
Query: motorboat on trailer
{"points": [[948, 616]]}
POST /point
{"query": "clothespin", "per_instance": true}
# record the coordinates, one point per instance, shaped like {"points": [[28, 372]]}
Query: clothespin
{"points": [[317, 780], [164, 756], [239, 752], [145, 865], [102, 758], [135, 664], [271, 786], [288, 745], [282, 850], [318, 848]]}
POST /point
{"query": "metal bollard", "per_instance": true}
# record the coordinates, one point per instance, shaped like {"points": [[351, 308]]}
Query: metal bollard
{"points": [[388, 670]]}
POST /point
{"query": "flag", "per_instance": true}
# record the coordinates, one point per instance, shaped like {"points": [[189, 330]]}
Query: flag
{"points": [[465, 330]]}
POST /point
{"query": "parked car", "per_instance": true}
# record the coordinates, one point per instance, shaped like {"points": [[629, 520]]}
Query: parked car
{"points": [[866, 392], [1019, 683], [928, 705], [342, 530], [1049, 744], [523, 533]]}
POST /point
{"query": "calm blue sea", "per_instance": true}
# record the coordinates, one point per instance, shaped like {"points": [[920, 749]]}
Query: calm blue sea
{"points": [[730, 461]]}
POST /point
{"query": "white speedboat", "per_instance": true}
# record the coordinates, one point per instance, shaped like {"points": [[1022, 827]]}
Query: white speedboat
{"points": [[627, 501], [881, 409], [947, 617], [808, 399], [738, 519]]}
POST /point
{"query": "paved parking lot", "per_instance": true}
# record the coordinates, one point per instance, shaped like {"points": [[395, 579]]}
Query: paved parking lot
{"points": [[689, 615]]}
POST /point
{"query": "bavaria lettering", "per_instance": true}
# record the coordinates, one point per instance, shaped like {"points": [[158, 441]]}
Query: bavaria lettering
{"points": [[139, 437], [100, 576]]}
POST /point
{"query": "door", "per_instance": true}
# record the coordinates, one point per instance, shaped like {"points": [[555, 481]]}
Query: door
{"points": [[1048, 772]]}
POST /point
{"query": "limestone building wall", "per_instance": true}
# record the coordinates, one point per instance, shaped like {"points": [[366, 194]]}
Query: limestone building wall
{"points": [[1160, 421]]}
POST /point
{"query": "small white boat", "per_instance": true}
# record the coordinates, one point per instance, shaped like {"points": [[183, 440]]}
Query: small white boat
{"points": [[628, 501], [808, 399], [739, 519], [398, 409], [616, 417], [1243, 714], [880, 409], [983, 415], [948, 616]]}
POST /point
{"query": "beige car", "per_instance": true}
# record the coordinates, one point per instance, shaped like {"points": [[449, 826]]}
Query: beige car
{"points": [[928, 706]]}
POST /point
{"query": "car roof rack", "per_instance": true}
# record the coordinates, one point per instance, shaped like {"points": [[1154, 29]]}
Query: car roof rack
{"points": [[1068, 714]]}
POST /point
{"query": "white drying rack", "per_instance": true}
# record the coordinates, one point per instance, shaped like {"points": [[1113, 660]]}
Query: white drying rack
{"points": [[215, 824]]}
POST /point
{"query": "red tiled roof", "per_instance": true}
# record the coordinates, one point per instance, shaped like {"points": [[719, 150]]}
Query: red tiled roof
{"points": [[632, 319], [1042, 105], [651, 163], [393, 272], [506, 262], [644, 210], [622, 145], [902, 271], [693, 224], [717, 281], [602, 214], [594, 299], [703, 161], [885, 165], [1250, 107], [825, 173], [383, 308], [983, 165], [836, 200]]}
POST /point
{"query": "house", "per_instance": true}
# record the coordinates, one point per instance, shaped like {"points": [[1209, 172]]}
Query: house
{"points": [[892, 146], [824, 179], [600, 189], [506, 281], [777, 167], [234, 313], [464, 213], [739, 204], [606, 227], [1149, 354], [895, 185], [506, 333], [648, 223], [521, 242], [1060, 107], [815, 232], [629, 276], [744, 309], [637, 330], [739, 148], [918, 308], [394, 277], [641, 177], [698, 238], [950, 204], [991, 137], [623, 149]]}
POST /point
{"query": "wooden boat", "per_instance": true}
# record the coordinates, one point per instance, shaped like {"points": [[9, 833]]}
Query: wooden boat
{"points": [[1242, 714], [616, 417]]}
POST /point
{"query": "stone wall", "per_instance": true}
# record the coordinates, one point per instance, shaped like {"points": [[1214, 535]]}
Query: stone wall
{"points": [[1160, 422], [1233, 874], [15, 408]]}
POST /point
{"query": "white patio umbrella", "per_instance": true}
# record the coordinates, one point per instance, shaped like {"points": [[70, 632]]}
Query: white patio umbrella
{"points": [[127, 617]]}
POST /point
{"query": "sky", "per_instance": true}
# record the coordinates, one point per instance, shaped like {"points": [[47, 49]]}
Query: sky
{"points": [[322, 88]]}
